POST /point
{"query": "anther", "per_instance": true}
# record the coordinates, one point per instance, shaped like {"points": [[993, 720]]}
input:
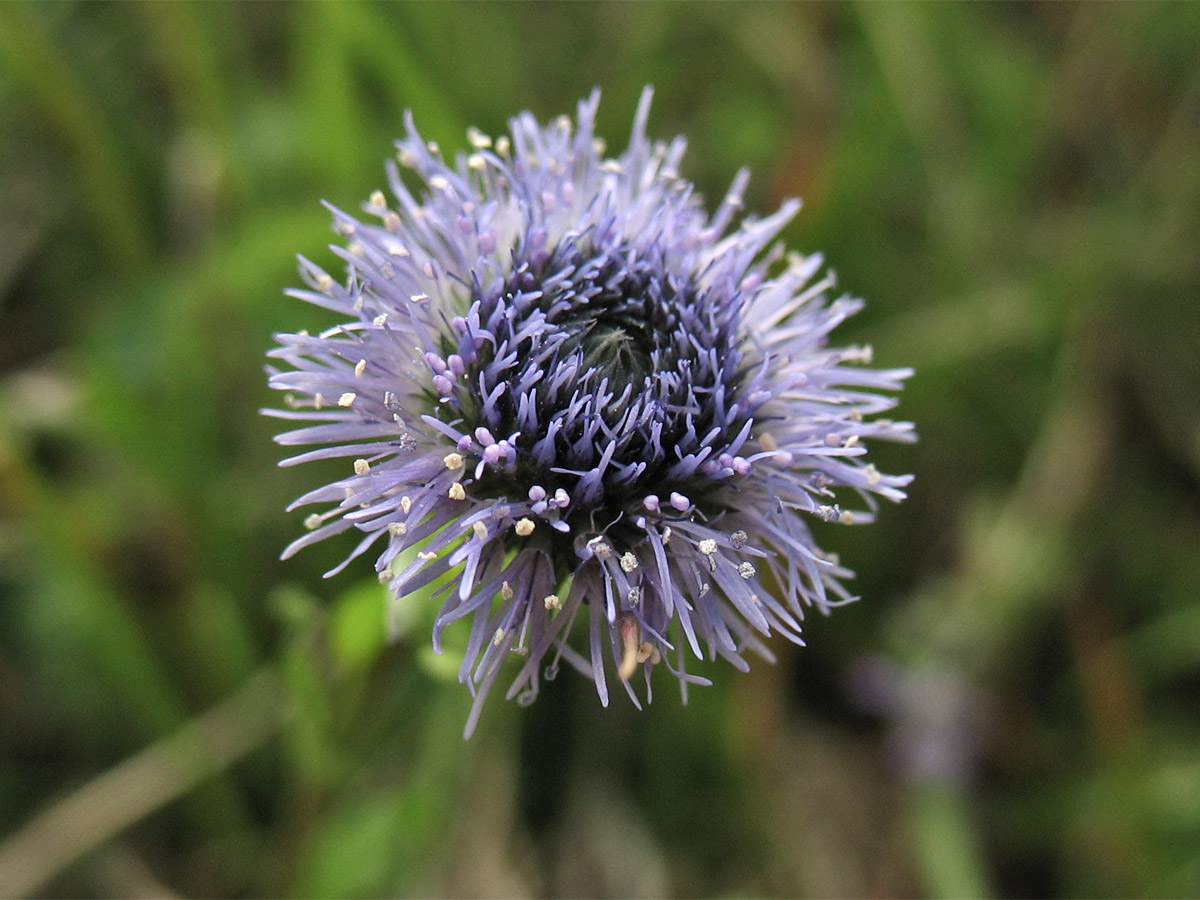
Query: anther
{"points": [[313, 521], [397, 529], [359, 368], [524, 527], [453, 461], [361, 467], [747, 570], [347, 399], [457, 492], [600, 547], [629, 562], [480, 530], [552, 602]]}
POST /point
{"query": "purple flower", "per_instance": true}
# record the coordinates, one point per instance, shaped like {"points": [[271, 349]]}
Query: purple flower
{"points": [[575, 402]]}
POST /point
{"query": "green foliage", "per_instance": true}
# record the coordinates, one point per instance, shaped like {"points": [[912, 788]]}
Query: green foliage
{"points": [[1014, 189]]}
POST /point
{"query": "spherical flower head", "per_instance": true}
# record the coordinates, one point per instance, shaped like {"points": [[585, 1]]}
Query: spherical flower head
{"points": [[589, 417]]}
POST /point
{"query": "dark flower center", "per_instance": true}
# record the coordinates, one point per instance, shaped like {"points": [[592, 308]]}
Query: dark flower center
{"points": [[610, 370]]}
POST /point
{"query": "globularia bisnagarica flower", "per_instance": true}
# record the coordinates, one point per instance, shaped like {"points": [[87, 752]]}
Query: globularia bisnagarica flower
{"points": [[589, 417]]}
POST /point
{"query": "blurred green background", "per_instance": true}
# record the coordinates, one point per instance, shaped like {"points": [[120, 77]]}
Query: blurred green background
{"points": [[1012, 709]]}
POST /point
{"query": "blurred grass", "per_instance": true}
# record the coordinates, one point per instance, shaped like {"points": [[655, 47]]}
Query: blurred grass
{"points": [[1011, 710]]}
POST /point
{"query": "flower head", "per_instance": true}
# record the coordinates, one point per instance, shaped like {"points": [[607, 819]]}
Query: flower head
{"points": [[576, 402]]}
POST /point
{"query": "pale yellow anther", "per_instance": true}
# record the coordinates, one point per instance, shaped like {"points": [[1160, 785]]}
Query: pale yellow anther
{"points": [[524, 527], [439, 183], [856, 414], [398, 529], [453, 461], [357, 250], [380, 320], [313, 521], [392, 223], [747, 570], [457, 492], [611, 166], [347, 399], [359, 368], [361, 467], [385, 576], [872, 473], [324, 283], [506, 590], [419, 298], [600, 547], [318, 400], [848, 518], [708, 546], [503, 145], [498, 639], [405, 504], [629, 562], [480, 530], [434, 148], [478, 139], [851, 441], [426, 556], [552, 602], [476, 161], [666, 538], [378, 200], [648, 652], [767, 442]]}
